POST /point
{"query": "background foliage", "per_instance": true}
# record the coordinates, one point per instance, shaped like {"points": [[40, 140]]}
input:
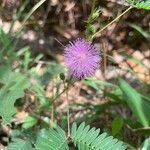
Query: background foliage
{"points": [[32, 76]]}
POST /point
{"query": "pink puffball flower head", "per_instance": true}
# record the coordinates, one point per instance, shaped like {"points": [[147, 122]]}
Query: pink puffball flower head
{"points": [[82, 58]]}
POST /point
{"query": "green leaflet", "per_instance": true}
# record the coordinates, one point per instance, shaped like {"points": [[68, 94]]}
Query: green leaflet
{"points": [[86, 138], [140, 4], [98, 84], [139, 29], [52, 139], [82, 136], [19, 144], [139, 106], [13, 86], [29, 122], [146, 144], [117, 125]]}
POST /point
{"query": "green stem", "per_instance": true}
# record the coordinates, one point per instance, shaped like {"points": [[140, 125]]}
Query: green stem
{"points": [[68, 113], [70, 83], [118, 17]]}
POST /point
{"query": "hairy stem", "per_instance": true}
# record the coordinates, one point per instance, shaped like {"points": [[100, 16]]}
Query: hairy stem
{"points": [[70, 83], [118, 17], [68, 113], [52, 113], [104, 58]]}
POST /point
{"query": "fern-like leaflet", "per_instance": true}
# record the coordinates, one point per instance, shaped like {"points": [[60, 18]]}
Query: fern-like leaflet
{"points": [[52, 139], [140, 4], [19, 144], [85, 138]]}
